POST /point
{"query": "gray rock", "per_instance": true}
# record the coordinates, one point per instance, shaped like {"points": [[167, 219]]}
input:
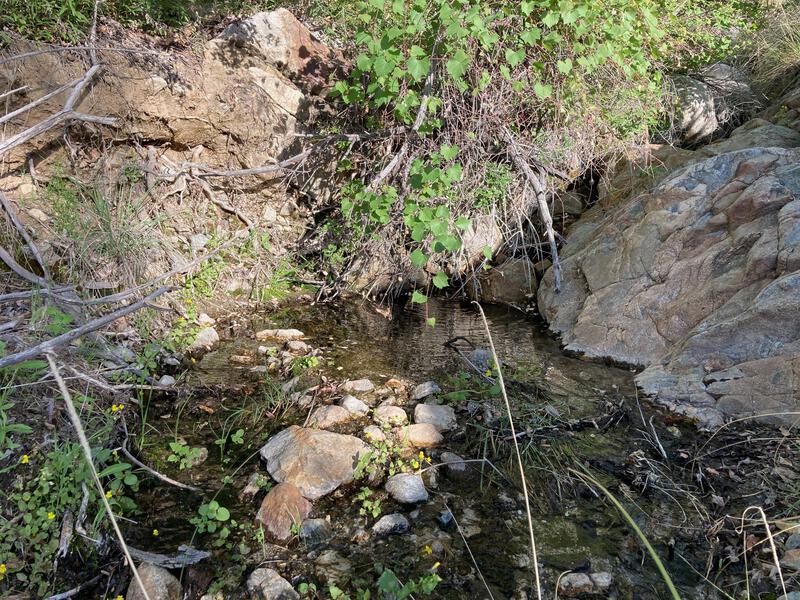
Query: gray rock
{"points": [[513, 282], [390, 415], [358, 385], [316, 532], [407, 488], [469, 523], [696, 115], [199, 241], [575, 584], [790, 596], [421, 435], [333, 567], [325, 417], [159, 584], [354, 405], [267, 584], [441, 416], [316, 461], [391, 524], [206, 339], [602, 581], [793, 541], [279, 334], [423, 390], [374, 434], [298, 347], [454, 465], [791, 559], [166, 381]]}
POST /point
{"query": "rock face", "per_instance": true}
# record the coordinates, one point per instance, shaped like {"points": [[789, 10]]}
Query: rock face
{"points": [[159, 583], [513, 282], [267, 584], [698, 280], [315, 461], [282, 507]]}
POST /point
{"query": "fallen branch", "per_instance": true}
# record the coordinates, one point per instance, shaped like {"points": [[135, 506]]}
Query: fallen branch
{"points": [[20, 270], [37, 102], [185, 557], [535, 181], [74, 591], [5, 95], [156, 474], [65, 338], [25, 235]]}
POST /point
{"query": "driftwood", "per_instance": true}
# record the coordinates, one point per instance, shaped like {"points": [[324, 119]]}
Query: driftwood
{"points": [[66, 338]]}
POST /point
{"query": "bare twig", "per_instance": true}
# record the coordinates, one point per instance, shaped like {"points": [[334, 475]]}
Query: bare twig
{"points": [[75, 591], [87, 453], [38, 101], [156, 474], [20, 270], [5, 95], [25, 235], [65, 338]]}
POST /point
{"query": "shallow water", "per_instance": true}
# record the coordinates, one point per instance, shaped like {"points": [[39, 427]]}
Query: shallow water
{"points": [[556, 397]]}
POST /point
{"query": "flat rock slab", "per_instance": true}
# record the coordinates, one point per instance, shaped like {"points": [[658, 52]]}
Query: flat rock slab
{"points": [[358, 385], [329, 416], [267, 584], [282, 507], [440, 416], [407, 488], [423, 390], [316, 461]]}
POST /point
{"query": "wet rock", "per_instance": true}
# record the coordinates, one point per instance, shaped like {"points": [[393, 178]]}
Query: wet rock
{"points": [[454, 465], [513, 282], [325, 417], [316, 461], [575, 584], [282, 507], [166, 381], [602, 581], [407, 488], [445, 519], [298, 347], [316, 532], [267, 584], [390, 415], [374, 434], [333, 567], [391, 524], [423, 390], [206, 339], [440, 416], [791, 559], [708, 263], [159, 584], [279, 334], [358, 385], [354, 405], [421, 435]]}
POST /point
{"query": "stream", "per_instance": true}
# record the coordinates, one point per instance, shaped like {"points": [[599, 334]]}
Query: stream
{"points": [[569, 414]]}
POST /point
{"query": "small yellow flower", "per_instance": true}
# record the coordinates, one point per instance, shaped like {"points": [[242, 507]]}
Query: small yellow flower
{"points": [[488, 373], [109, 494], [3, 569], [415, 464], [114, 408], [427, 550], [155, 532], [119, 598], [435, 566], [24, 461], [51, 515], [421, 455], [120, 407]]}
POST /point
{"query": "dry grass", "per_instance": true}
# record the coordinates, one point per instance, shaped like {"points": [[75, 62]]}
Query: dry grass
{"points": [[775, 51]]}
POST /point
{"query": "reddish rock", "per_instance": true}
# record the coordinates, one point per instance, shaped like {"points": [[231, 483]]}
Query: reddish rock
{"points": [[282, 507]]}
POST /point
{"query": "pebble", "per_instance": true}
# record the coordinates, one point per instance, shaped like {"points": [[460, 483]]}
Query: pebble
{"points": [[205, 321], [440, 416], [391, 524], [333, 567], [354, 405], [281, 508], [421, 435], [38, 215], [267, 584], [602, 581], [793, 542], [391, 415], [199, 241], [423, 390], [358, 385], [445, 519], [454, 465], [205, 340], [790, 596], [166, 381], [407, 488], [297, 346], [468, 523], [575, 584]]}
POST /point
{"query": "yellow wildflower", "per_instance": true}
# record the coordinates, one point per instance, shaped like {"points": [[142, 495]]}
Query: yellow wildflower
{"points": [[488, 373], [427, 550], [109, 494], [3, 569], [25, 459], [114, 408], [51, 515], [435, 566], [155, 532], [120, 407], [421, 455], [119, 598]]}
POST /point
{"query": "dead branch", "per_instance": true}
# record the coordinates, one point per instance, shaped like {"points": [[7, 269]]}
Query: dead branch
{"points": [[22, 295], [66, 114], [23, 88], [20, 270], [66, 338], [76, 590], [37, 102], [25, 235], [535, 181], [158, 475]]}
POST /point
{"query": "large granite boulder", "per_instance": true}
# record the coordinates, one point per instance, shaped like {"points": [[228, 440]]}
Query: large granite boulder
{"points": [[315, 461], [697, 280]]}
